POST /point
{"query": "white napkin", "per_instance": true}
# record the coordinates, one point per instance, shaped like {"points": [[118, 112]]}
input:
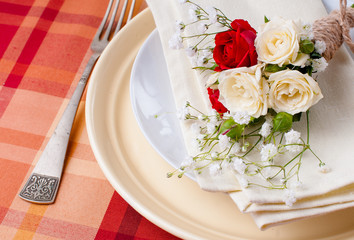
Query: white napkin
{"points": [[331, 131]]}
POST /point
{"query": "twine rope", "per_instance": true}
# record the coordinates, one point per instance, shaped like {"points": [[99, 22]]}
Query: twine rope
{"points": [[334, 29]]}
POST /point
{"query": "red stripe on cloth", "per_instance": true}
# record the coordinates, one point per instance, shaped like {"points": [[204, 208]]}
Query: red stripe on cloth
{"points": [[87, 20], [112, 218], [32, 45], [129, 225], [5, 39], [3, 212], [14, 8]]}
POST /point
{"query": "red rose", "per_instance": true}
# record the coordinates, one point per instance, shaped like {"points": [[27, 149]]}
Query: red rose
{"points": [[235, 48], [214, 99]]}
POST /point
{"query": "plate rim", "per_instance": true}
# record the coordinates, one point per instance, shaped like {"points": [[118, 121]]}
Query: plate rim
{"points": [[149, 214]]}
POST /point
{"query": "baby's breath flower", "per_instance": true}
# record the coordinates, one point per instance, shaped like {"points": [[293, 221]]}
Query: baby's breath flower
{"points": [[201, 28], [266, 129], [324, 169], [182, 112], [211, 127], [242, 117], [193, 13], [212, 13], [319, 65], [289, 197], [214, 155], [268, 152], [224, 142], [293, 137], [191, 51], [187, 163], [320, 46], [180, 26], [215, 169], [175, 41], [239, 165]]}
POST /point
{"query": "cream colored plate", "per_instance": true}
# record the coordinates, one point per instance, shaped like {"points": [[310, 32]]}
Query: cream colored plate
{"points": [[138, 173]]}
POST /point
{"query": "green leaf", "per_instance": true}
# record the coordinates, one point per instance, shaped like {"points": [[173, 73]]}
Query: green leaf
{"points": [[297, 117], [282, 122], [307, 46], [227, 125], [352, 6], [236, 132], [274, 68], [315, 55], [266, 19]]}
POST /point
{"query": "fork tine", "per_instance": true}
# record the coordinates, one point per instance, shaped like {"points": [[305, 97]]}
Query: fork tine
{"points": [[104, 20], [131, 11], [120, 21], [121, 17], [111, 22]]}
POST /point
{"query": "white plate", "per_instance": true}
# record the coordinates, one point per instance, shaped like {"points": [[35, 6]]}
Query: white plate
{"points": [[153, 103], [137, 172]]}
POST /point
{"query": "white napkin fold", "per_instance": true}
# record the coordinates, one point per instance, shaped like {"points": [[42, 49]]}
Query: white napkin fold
{"points": [[331, 131]]}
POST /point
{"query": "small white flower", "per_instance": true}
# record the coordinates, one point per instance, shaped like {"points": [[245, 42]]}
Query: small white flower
{"points": [[224, 142], [242, 117], [182, 112], [239, 165], [201, 28], [319, 65], [296, 185], [214, 155], [195, 128], [175, 41], [211, 127], [200, 137], [268, 152], [187, 163], [200, 117], [320, 46], [182, 1], [179, 26], [324, 169], [243, 182], [266, 129], [293, 137], [215, 169], [190, 51], [212, 13], [193, 13], [289, 197], [269, 118]]}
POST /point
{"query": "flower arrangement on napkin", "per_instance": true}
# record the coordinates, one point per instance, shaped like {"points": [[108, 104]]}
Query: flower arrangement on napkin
{"points": [[259, 84]]}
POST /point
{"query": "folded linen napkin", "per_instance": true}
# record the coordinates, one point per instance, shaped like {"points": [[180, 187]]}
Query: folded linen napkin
{"points": [[332, 115]]}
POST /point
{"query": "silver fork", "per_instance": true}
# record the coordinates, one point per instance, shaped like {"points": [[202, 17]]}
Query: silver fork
{"points": [[43, 183]]}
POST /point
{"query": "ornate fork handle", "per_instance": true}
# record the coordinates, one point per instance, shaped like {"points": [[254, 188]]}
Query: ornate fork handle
{"points": [[43, 183]]}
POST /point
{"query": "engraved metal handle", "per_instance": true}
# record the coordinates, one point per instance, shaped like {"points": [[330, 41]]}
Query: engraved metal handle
{"points": [[43, 183]]}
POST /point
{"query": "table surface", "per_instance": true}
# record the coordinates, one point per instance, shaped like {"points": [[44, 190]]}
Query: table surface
{"points": [[44, 47]]}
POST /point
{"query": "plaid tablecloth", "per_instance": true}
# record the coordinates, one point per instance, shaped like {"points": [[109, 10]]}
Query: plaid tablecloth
{"points": [[44, 47]]}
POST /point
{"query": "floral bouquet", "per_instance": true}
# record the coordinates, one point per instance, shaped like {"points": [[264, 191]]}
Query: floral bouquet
{"points": [[259, 83]]}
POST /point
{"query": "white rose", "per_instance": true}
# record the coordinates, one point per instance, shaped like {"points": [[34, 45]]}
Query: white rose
{"points": [[277, 42], [292, 92], [244, 90]]}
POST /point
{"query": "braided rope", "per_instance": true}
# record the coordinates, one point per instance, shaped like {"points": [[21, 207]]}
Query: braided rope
{"points": [[334, 29]]}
